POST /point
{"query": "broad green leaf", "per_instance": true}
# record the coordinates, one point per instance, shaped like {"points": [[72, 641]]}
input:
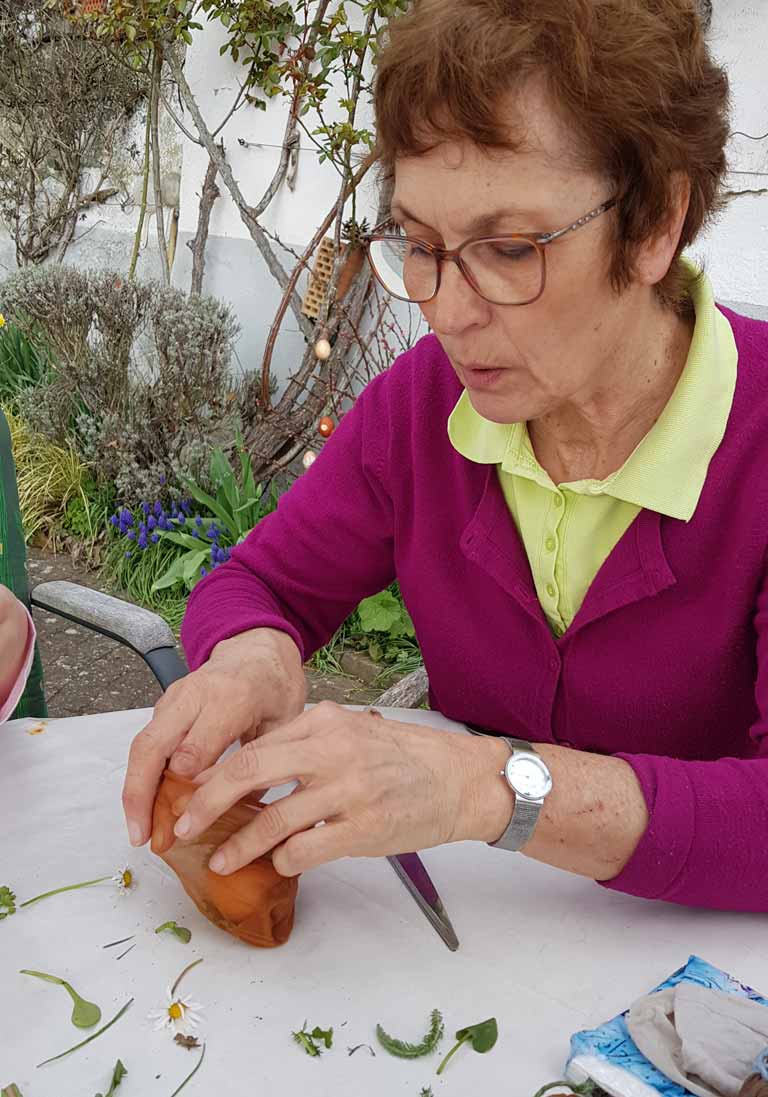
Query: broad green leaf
{"points": [[482, 1036], [193, 561], [85, 1014], [206, 500], [379, 612], [185, 539], [174, 575]]}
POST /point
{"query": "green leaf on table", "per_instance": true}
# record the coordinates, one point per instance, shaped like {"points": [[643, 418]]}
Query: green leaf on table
{"points": [[324, 1034], [88, 1039], [181, 932], [11, 1091], [84, 1014], [67, 887], [482, 1036], [352, 1050], [7, 902], [426, 1092], [426, 1046], [307, 1040], [117, 1076]]}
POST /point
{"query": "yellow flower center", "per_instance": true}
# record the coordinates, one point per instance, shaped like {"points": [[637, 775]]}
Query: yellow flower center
{"points": [[176, 1011], [2, 320], [127, 878]]}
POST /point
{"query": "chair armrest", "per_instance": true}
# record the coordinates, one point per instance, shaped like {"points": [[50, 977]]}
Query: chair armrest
{"points": [[140, 629]]}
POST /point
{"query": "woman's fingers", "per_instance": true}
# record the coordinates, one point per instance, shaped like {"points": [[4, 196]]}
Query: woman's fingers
{"points": [[301, 810], [192, 729], [148, 756], [257, 765], [315, 847]]}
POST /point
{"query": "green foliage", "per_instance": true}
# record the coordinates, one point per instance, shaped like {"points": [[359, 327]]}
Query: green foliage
{"points": [[118, 1074], [135, 577], [86, 514], [84, 1014], [425, 1046], [24, 361], [82, 1043], [7, 902], [180, 932], [311, 1041], [142, 383], [237, 505], [384, 613], [482, 1037]]}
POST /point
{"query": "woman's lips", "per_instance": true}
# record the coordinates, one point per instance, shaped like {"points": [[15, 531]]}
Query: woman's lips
{"points": [[480, 377]]}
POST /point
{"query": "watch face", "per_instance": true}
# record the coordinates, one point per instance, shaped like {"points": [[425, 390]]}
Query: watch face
{"points": [[528, 776]]}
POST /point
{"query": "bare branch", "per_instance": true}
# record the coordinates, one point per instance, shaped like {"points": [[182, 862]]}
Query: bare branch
{"points": [[244, 209], [197, 245], [154, 99]]}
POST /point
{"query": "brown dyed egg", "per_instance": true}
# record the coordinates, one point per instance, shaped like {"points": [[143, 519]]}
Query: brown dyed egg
{"points": [[326, 426]]}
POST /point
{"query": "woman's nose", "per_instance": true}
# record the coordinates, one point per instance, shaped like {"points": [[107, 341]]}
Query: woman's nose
{"points": [[457, 306]]}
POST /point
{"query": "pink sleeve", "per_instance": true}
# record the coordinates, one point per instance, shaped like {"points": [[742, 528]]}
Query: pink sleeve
{"points": [[9, 704], [705, 845]]}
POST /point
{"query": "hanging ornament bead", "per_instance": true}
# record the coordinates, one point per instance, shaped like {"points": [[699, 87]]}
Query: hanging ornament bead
{"points": [[322, 350], [309, 458], [326, 426]]}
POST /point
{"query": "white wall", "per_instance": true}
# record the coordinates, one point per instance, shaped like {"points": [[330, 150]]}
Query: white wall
{"points": [[735, 250], [234, 268]]}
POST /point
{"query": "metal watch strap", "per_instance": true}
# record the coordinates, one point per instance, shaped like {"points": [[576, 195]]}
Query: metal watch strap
{"points": [[525, 813]]}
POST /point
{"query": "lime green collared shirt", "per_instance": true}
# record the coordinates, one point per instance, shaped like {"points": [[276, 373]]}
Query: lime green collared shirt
{"points": [[569, 529]]}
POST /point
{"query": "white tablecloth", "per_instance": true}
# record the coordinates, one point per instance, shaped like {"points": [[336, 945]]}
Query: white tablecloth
{"points": [[544, 952]]}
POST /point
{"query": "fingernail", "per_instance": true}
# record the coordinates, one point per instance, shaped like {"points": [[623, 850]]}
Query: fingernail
{"points": [[183, 826], [217, 863], [134, 834]]}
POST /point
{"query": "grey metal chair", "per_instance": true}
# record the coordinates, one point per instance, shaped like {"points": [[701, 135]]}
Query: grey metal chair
{"points": [[144, 632]]}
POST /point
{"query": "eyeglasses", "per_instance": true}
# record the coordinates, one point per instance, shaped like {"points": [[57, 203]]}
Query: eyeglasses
{"points": [[503, 270]]}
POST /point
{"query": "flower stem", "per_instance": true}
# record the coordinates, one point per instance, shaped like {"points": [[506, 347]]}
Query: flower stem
{"points": [[184, 972], [58, 891], [191, 1074], [451, 1053]]}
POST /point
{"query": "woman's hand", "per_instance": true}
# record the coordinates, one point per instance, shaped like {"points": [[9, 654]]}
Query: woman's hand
{"points": [[251, 683], [381, 787]]}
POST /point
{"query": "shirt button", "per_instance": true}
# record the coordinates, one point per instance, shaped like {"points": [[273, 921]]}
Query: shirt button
{"points": [[554, 663], [558, 500], [551, 590], [549, 544]]}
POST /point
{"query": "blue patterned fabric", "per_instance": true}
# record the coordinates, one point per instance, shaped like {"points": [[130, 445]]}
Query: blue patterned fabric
{"points": [[612, 1043]]}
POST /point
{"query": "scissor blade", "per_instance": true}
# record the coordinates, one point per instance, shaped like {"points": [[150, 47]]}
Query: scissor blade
{"points": [[411, 871]]}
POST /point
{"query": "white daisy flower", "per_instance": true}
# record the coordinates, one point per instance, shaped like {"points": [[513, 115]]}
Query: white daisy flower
{"points": [[124, 881], [178, 1014]]}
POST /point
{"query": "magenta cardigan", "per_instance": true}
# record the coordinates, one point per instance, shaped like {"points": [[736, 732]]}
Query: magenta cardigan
{"points": [[665, 664]]}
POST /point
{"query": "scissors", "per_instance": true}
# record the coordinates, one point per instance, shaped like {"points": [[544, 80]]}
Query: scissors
{"points": [[414, 876]]}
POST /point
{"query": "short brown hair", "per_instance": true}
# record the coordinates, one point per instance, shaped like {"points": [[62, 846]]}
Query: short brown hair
{"points": [[633, 78]]}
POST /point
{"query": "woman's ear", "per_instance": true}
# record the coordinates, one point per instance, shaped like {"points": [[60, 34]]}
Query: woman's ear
{"points": [[654, 256]]}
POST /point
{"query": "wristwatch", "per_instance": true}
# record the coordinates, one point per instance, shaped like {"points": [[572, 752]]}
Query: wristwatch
{"points": [[527, 774]]}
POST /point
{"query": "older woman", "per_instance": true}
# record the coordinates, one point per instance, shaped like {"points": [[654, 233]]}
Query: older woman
{"points": [[568, 478]]}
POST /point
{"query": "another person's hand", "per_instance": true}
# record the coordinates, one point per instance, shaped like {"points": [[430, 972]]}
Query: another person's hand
{"points": [[379, 786], [14, 640], [250, 684]]}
